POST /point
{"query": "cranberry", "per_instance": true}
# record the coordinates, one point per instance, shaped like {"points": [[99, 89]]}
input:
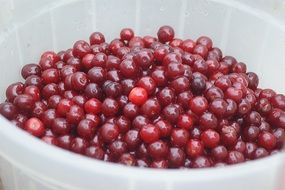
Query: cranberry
{"points": [[147, 83], [138, 95], [185, 121], [65, 142], [264, 126], [75, 62], [214, 93], [149, 133], [46, 63], [188, 45], [198, 105], [194, 148], [234, 94], [112, 89], [198, 85], [267, 93], [109, 132], [235, 157], [206, 41], [244, 107], [158, 150], [267, 140], [129, 68], [215, 54], [53, 101], [184, 98], [132, 139], [279, 134], [30, 69], [97, 75], [172, 112], [50, 140], [148, 41], [200, 66], [127, 159], [180, 84], [165, 34], [263, 106], [99, 60], [277, 117], [176, 157], [160, 53], [201, 50], [229, 60], [144, 58], [151, 108], [86, 129], [93, 105], [278, 101], [250, 149], [240, 146], [208, 121], [165, 127], [139, 121], [60, 126], [117, 148], [24, 102], [14, 90], [19, 120], [201, 162], [78, 145], [159, 164], [260, 153], [75, 114], [50, 76], [95, 152], [179, 137], [253, 118], [93, 90], [35, 127], [229, 136], [68, 54], [166, 96], [171, 57], [49, 90], [251, 133], [81, 48], [210, 138], [110, 107], [220, 153], [223, 83], [8, 110], [253, 80], [96, 38], [176, 42], [130, 110]]}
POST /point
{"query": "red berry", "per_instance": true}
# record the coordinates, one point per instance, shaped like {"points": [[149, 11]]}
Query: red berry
{"points": [[138, 95], [35, 127], [93, 106], [149, 133]]}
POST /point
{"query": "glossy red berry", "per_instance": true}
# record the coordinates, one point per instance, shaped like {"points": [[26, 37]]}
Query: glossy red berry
{"points": [[149, 133], [138, 95], [35, 127], [165, 34]]}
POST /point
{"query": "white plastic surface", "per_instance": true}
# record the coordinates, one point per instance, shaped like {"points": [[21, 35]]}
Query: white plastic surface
{"points": [[252, 31]]}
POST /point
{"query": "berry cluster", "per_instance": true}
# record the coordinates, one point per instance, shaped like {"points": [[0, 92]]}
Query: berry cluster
{"points": [[150, 102]]}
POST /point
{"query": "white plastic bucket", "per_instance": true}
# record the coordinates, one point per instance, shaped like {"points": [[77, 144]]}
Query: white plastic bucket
{"points": [[252, 31]]}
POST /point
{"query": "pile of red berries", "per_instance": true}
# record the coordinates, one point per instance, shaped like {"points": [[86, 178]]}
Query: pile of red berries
{"points": [[149, 102]]}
